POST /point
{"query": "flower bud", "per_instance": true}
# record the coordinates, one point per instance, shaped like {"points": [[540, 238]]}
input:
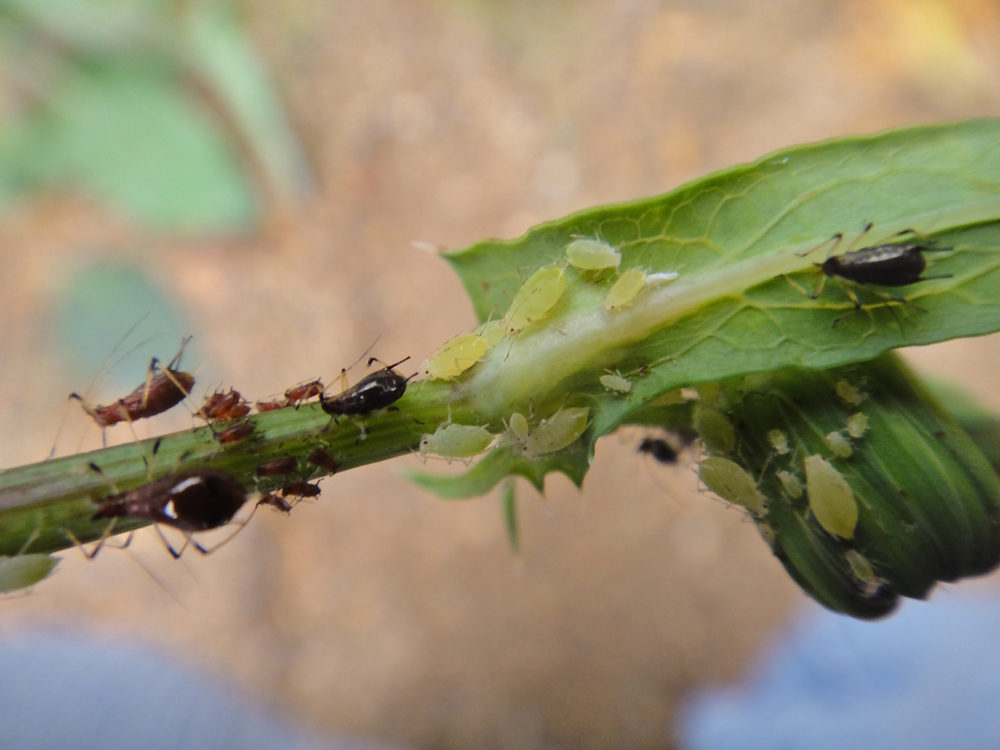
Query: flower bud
{"points": [[870, 490]]}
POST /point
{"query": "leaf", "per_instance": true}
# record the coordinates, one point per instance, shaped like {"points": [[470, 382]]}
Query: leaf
{"points": [[23, 571], [737, 239]]}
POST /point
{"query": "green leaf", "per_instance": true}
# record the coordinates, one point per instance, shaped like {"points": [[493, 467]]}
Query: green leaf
{"points": [[737, 239], [23, 571]]}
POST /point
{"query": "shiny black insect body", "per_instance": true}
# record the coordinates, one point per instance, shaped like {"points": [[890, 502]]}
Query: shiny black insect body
{"points": [[659, 449], [192, 500], [897, 264], [375, 391]]}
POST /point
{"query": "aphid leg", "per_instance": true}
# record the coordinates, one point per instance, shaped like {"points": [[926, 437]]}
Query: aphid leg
{"points": [[240, 525], [104, 539], [835, 239], [166, 543]]}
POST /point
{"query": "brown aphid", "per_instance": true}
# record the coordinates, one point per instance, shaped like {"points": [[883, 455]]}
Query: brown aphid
{"points": [[270, 405], [190, 501], [235, 434], [276, 467], [221, 406], [162, 390], [322, 458], [300, 489], [276, 502], [303, 392]]}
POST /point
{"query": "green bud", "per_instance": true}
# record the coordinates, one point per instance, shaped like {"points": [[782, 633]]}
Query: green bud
{"points": [[879, 493]]}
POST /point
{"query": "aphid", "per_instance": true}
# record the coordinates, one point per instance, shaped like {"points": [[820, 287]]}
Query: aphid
{"points": [[492, 331], [863, 572], [847, 393], [631, 283], [616, 383], [276, 502], [235, 434], [455, 356], [300, 489], [778, 441], [659, 449], [456, 441], [857, 425], [375, 391], [790, 484], [221, 406], [549, 435], [831, 499], [838, 444], [302, 392], [269, 405], [715, 429], [890, 264], [190, 501], [536, 298], [277, 466], [592, 255], [161, 391], [625, 290], [732, 482], [321, 458]]}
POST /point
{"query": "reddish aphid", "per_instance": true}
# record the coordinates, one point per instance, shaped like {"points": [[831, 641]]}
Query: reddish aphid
{"points": [[303, 392], [278, 466], [235, 433], [162, 390], [269, 405], [223, 406], [190, 501], [276, 502], [300, 489], [322, 458]]}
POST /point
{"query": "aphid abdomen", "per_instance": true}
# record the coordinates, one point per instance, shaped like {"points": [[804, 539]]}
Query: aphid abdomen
{"points": [[882, 265]]}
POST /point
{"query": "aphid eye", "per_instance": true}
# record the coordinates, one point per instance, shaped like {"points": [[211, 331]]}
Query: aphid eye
{"points": [[592, 255]]}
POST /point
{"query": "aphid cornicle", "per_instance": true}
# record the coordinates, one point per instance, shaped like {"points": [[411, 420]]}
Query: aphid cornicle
{"points": [[192, 500], [375, 391], [162, 390]]}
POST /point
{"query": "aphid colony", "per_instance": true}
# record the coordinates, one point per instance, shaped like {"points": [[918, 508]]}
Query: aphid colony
{"points": [[595, 261], [203, 498]]}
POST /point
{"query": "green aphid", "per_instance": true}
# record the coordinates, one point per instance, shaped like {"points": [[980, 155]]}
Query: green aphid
{"points": [[592, 255], [715, 429], [831, 499], [553, 434], [863, 572], [839, 445], [732, 482], [857, 425], [625, 290], [778, 441], [616, 383], [536, 298], [455, 356], [456, 441], [790, 484], [847, 393]]}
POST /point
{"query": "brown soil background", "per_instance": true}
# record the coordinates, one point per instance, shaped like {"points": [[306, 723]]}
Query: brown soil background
{"points": [[380, 610]]}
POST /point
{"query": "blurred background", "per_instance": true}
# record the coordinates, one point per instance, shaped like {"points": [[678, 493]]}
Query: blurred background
{"points": [[256, 174]]}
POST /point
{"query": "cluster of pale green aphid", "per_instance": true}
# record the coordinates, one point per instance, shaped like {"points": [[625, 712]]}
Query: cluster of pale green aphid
{"points": [[830, 497], [534, 301]]}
